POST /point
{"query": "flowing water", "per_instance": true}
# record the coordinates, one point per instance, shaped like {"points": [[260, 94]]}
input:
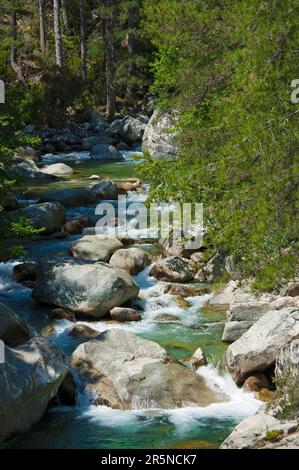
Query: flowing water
{"points": [[88, 426]]}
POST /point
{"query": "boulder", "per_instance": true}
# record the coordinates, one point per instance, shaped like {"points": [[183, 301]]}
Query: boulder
{"points": [[69, 197], [122, 314], [62, 314], [132, 260], [58, 169], [184, 291], [263, 431], [213, 270], [73, 227], [248, 311], [198, 359], [106, 190], [49, 216], [28, 153], [25, 272], [259, 347], [173, 269], [83, 331], [90, 142], [233, 330], [176, 246], [31, 173], [159, 139], [95, 248], [220, 301], [13, 330], [182, 302], [24, 396], [87, 288], [106, 152], [130, 129], [97, 122], [256, 382], [125, 371], [291, 290]]}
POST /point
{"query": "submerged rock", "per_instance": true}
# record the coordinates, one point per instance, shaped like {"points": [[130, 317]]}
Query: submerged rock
{"points": [[79, 331], [24, 396], [87, 288], [25, 272], [127, 372], [166, 318]]}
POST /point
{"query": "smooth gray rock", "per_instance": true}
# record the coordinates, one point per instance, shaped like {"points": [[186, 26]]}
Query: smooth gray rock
{"points": [[58, 169], [259, 347], [90, 142], [31, 173], [132, 260], [93, 247], [87, 288], [29, 379], [125, 371], [233, 330]]}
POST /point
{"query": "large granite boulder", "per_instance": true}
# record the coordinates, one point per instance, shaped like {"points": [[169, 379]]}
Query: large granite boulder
{"points": [[94, 247], [13, 330], [132, 260], [159, 138], [174, 269], [86, 288], [50, 216], [129, 129], [260, 346], [127, 372], [29, 379], [31, 173]]}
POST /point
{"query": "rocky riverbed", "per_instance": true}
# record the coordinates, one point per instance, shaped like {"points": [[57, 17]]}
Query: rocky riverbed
{"points": [[124, 339]]}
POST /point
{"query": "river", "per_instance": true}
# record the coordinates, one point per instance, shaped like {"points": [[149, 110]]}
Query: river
{"points": [[90, 427]]}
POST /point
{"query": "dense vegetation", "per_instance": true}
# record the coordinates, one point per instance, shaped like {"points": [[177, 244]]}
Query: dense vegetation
{"points": [[225, 65]]}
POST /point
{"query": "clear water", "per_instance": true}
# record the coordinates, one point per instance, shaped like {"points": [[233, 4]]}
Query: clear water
{"points": [[90, 427]]}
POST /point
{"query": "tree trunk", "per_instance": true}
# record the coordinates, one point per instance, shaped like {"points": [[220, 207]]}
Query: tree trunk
{"points": [[109, 61], [83, 41], [42, 26], [57, 33], [131, 66], [65, 16], [13, 51]]}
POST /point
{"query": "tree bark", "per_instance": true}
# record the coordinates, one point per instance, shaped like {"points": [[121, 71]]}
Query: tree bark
{"points": [[83, 41], [65, 16], [42, 26], [109, 61], [131, 66], [13, 50], [57, 33]]}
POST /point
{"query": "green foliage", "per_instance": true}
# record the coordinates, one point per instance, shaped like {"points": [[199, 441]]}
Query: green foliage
{"points": [[273, 436], [227, 67]]}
